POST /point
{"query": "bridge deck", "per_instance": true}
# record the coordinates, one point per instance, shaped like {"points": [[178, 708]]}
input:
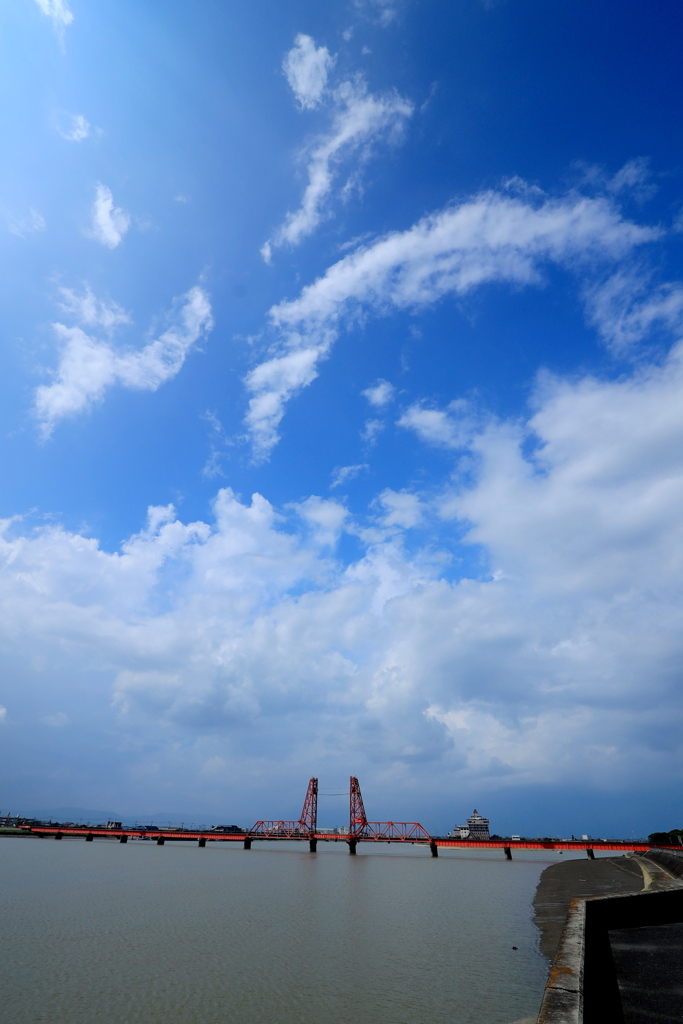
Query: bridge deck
{"points": [[455, 844]]}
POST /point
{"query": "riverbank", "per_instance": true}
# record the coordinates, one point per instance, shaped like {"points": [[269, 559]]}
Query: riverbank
{"points": [[632, 946], [576, 879]]}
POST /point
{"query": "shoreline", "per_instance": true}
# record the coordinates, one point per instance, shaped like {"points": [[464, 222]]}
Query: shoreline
{"points": [[561, 883]]}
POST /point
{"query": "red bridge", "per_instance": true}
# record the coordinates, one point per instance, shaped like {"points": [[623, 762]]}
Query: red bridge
{"points": [[360, 830]]}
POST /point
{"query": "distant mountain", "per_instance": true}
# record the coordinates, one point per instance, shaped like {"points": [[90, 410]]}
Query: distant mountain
{"points": [[72, 814], [190, 819]]}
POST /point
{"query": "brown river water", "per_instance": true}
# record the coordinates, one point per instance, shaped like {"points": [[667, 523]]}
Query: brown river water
{"points": [[103, 932]]}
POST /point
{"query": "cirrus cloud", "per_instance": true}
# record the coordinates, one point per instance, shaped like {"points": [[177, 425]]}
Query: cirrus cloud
{"points": [[58, 11], [492, 237], [359, 120]]}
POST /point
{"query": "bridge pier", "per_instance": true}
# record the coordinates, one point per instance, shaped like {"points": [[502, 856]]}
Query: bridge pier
{"points": [[89, 837], [247, 844], [58, 835], [590, 854], [353, 843], [508, 853], [160, 841], [202, 841], [434, 848], [123, 839], [313, 845]]}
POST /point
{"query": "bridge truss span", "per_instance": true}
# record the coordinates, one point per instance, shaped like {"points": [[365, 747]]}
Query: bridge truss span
{"points": [[362, 830], [394, 832], [279, 830], [304, 828]]}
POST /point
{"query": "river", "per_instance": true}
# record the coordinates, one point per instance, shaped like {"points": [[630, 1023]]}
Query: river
{"points": [[95, 932]]}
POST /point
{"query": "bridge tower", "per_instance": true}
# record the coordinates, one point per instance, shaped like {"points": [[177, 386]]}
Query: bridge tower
{"points": [[308, 819], [357, 817], [381, 831], [304, 828]]}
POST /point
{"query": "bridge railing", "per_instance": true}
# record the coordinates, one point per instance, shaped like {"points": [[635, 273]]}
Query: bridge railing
{"points": [[280, 830]]}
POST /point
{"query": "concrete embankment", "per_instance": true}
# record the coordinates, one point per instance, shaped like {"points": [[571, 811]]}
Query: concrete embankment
{"points": [[621, 948], [576, 879]]}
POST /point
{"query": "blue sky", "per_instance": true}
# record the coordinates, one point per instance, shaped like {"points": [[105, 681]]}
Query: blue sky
{"points": [[342, 420]]}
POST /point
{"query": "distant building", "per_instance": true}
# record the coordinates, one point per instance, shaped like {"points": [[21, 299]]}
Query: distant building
{"points": [[114, 824], [476, 827]]}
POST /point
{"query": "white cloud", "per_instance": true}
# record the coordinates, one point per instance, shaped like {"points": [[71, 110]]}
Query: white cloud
{"points": [[89, 366], [87, 309], [272, 384], [325, 517], [628, 308], [493, 237], [560, 664], [632, 181], [344, 473], [3, 714], [218, 443], [56, 721], [447, 429], [109, 223], [401, 508], [382, 11], [22, 226], [633, 178], [360, 119], [380, 394], [307, 68], [76, 129], [58, 11], [371, 431]]}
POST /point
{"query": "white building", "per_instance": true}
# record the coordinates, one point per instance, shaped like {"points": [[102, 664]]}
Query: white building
{"points": [[476, 827]]}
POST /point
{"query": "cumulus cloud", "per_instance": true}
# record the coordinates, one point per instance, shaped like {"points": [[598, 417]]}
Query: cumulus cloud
{"points": [[493, 237], [76, 129], [89, 366], [558, 662], [380, 394], [359, 119], [325, 517], [307, 67], [58, 11], [109, 223], [449, 428], [400, 508]]}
